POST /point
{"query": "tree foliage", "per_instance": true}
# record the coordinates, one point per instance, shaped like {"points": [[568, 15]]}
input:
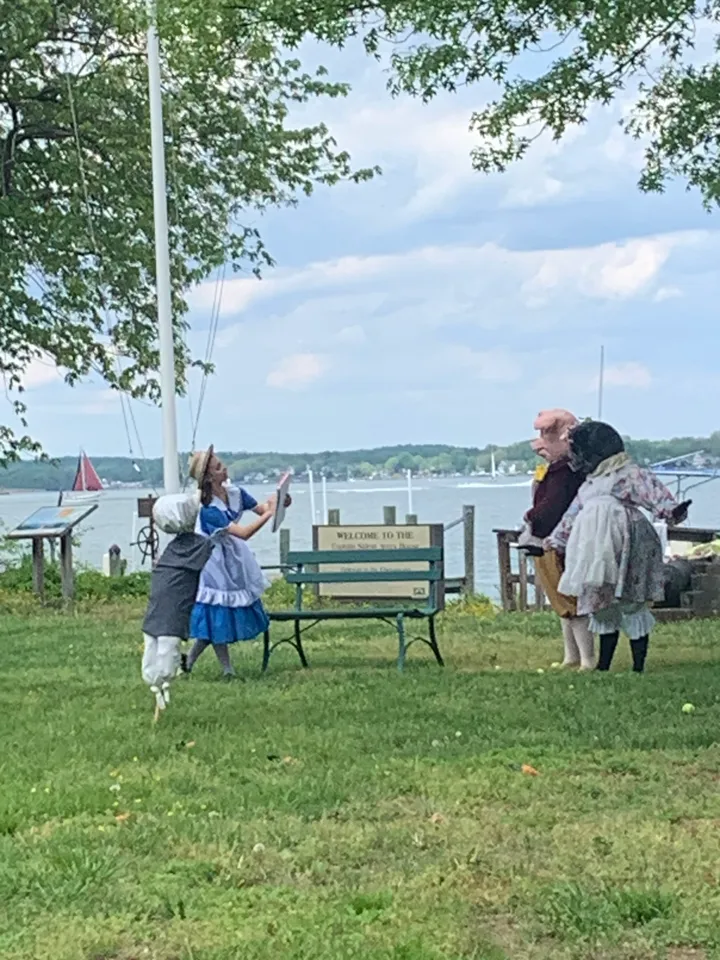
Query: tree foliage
{"points": [[77, 282], [587, 52]]}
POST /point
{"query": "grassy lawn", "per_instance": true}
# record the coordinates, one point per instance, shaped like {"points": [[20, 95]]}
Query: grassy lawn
{"points": [[349, 812]]}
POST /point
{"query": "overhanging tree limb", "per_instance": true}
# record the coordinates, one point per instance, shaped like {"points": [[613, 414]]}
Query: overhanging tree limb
{"points": [[83, 300], [596, 48]]}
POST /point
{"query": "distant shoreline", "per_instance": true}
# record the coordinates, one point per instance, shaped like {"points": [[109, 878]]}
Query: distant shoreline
{"points": [[422, 461]]}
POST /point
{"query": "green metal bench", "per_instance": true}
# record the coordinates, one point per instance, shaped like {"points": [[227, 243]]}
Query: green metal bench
{"points": [[395, 614]]}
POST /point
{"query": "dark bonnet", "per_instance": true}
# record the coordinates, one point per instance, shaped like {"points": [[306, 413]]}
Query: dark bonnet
{"points": [[591, 443]]}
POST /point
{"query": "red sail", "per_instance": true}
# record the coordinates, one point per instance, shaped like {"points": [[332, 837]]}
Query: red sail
{"points": [[86, 477]]}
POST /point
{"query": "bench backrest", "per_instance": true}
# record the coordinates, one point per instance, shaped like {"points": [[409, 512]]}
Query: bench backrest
{"points": [[372, 566]]}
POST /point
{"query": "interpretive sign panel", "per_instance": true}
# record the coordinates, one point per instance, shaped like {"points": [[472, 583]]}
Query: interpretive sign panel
{"points": [[52, 521]]}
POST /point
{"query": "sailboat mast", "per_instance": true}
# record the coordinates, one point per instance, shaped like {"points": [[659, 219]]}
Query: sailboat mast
{"points": [[83, 480], [171, 472]]}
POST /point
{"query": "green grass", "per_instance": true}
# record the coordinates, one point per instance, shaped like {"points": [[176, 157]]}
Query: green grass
{"points": [[350, 812]]}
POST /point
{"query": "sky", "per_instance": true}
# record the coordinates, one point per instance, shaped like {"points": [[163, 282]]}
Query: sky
{"points": [[440, 305]]}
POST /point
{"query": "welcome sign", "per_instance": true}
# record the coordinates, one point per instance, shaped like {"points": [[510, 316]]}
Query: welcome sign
{"points": [[344, 539]]}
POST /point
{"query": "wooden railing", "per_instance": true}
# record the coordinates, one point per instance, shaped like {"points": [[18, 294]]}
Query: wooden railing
{"points": [[517, 579]]}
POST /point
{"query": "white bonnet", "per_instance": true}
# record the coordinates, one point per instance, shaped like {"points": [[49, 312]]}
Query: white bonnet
{"points": [[176, 512]]}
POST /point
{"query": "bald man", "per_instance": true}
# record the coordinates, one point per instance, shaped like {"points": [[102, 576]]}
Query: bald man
{"points": [[554, 490]]}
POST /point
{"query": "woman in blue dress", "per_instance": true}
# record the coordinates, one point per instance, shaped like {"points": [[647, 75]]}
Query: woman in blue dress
{"points": [[228, 607]]}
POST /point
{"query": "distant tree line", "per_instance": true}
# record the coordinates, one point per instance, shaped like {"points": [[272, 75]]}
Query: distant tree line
{"points": [[422, 459]]}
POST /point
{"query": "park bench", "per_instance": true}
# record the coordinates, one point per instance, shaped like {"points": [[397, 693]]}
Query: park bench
{"points": [[306, 568]]}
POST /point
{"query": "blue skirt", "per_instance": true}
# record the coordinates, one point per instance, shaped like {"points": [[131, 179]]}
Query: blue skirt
{"points": [[216, 624]]}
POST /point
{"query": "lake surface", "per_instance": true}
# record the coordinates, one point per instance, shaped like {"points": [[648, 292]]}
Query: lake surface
{"points": [[497, 504]]}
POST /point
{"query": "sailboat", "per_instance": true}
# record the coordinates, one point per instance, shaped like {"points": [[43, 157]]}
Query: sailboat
{"points": [[87, 485]]}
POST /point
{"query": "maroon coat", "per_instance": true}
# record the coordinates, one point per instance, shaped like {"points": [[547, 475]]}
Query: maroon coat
{"points": [[553, 495]]}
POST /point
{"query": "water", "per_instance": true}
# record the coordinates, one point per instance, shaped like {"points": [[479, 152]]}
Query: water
{"points": [[499, 504]]}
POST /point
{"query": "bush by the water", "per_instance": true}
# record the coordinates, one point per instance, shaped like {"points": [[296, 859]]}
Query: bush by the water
{"points": [[17, 577], [16, 583]]}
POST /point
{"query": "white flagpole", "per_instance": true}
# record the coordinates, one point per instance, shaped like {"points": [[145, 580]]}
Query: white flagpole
{"points": [[171, 470]]}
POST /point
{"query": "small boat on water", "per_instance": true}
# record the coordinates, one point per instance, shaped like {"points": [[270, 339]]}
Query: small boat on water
{"points": [[87, 485]]}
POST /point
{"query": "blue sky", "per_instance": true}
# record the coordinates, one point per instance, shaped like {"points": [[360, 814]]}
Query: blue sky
{"points": [[439, 305]]}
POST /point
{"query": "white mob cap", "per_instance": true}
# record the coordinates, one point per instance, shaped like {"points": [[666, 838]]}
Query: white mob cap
{"points": [[176, 512]]}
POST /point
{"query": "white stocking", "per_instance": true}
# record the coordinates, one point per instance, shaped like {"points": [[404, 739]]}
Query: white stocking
{"points": [[584, 641], [572, 654]]}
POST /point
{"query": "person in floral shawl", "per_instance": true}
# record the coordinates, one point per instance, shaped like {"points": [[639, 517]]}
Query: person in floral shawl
{"points": [[613, 562]]}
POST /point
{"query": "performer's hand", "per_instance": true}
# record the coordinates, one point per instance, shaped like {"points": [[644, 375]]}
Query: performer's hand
{"points": [[680, 513]]}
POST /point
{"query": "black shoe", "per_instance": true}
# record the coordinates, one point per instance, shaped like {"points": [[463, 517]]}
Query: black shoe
{"points": [[608, 643]]}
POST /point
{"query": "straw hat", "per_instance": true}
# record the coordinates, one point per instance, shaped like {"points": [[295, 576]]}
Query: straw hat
{"points": [[199, 463]]}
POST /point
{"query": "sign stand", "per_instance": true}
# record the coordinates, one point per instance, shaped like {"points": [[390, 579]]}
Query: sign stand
{"points": [[52, 523]]}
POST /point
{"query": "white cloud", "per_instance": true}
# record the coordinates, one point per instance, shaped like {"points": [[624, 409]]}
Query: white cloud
{"points": [[630, 375], [352, 336], [425, 151], [100, 403], [667, 293], [430, 143], [533, 194], [297, 371], [631, 267], [497, 366], [40, 372], [633, 375], [437, 327], [608, 271]]}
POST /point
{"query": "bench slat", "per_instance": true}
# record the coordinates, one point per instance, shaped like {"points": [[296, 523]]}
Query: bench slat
{"points": [[365, 576], [358, 613], [364, 556]]}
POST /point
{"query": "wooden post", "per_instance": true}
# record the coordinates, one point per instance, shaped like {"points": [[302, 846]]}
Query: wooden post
{"points": [[539, 592], [333, 518], [469, 549], [116, 568], [66, 568], [506, 588], [38, 560], [523, 581], [389, 516], [411, 519], [284, 546]]}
